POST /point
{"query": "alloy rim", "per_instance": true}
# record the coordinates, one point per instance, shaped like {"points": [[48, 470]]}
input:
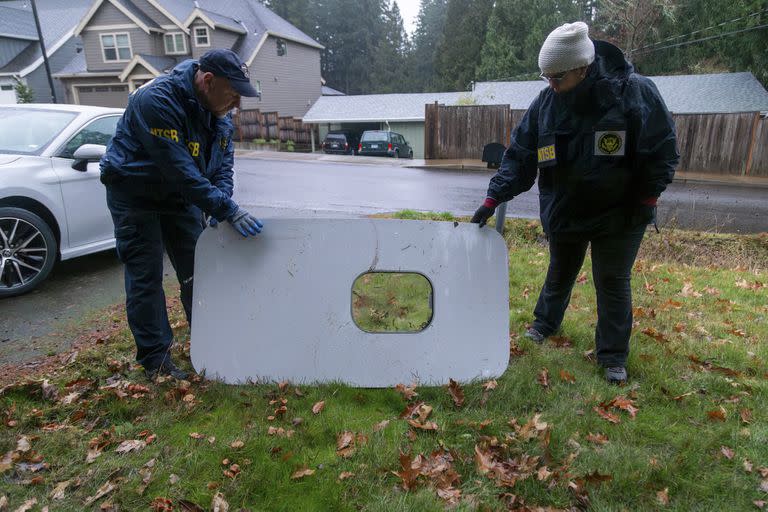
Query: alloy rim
{"points": [[23, 252]]}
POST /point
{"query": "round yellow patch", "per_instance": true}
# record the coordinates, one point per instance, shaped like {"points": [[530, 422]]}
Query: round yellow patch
{"points": [[609, 143]]}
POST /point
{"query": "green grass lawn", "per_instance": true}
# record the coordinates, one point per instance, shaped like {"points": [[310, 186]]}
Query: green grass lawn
{"points": [[689, 432]]}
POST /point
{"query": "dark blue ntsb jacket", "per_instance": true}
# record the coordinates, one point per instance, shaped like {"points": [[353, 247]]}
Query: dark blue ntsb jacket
{"points": [[168, 146], [600, 150]]}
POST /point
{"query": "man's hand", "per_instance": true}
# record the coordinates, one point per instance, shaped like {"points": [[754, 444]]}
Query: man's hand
{"points": [[245, 223], [485, 212]]}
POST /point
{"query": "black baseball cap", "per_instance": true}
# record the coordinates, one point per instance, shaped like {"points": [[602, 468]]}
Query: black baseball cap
{"points": [[226, 64]]}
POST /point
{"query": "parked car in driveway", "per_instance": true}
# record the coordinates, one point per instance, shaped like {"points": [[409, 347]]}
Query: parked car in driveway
{"points": [[341, 142], [52, 204], [384, 143]]}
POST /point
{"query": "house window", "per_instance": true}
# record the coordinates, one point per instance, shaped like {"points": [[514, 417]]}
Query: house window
{"points": [[175, 43], [282, 48], [116, 47], [6, 87], [201, 36]]}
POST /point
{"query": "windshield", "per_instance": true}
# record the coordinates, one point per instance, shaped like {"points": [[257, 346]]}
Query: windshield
{"points": [[28, 131], [375, 136], [336, 136]]}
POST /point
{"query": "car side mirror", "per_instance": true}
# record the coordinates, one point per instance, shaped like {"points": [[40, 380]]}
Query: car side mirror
{"points": [[87, 153]]}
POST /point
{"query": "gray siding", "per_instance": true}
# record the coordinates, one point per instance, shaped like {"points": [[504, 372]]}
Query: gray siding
{"points": [[197, 51], [10, 48], [108, 14], [38, 80], [289, 84], [153, 13], [141, 42], [223, 39]]}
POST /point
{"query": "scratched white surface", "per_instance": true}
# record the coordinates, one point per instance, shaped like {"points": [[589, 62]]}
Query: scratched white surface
{"points": [[279, 306]]}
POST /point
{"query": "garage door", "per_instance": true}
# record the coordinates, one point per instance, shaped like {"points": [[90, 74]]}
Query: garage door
{"points": [[7, 93], [103, 95]]}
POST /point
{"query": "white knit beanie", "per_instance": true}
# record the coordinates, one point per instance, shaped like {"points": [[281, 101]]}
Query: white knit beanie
{"points": [[567, 47]]}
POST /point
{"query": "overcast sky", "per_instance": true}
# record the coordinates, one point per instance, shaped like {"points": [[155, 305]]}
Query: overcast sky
{"points": [[409, 10]]}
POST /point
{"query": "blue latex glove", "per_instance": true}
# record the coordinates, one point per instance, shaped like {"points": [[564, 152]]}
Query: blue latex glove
{"points": [[213, 222], [245, 223]]}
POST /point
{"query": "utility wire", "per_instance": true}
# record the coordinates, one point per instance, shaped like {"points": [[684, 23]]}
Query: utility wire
{"points": [[751, 15], [717, 36]]}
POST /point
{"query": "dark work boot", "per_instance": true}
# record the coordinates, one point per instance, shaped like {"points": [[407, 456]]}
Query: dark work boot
{"points": [[536, 336], [166, 368], [616, 375]]}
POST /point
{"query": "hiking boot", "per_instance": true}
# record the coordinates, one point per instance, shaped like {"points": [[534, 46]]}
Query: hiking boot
{"points": [[536, 336], [616, 375], [166, 368]]}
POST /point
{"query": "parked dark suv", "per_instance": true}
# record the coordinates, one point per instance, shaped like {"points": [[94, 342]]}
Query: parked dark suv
{"points": [[383, 143], [341, 142]]}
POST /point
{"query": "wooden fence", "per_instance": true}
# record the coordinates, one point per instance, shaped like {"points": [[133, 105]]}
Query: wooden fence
{"points": [[254, 124], [724, 144]]}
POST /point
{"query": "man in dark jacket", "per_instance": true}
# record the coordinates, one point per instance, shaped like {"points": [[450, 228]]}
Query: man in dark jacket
{"points": [[169, 162], [603, 143]]}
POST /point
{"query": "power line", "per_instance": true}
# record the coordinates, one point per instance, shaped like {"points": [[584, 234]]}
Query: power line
{"points": [[751, 15], [717, 36]]}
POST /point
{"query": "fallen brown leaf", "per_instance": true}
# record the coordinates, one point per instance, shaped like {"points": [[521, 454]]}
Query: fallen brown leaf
{"points": [[237, 444], [566, 376], [345, 475], [408, 392], [663, 496], [600, 439], [301, 473], [457, 394], [543, 378], [132, 445], [728, 453], [318, 407], [219, 504], [606, 415], [101, 492], [717, 414], [380, 425]]}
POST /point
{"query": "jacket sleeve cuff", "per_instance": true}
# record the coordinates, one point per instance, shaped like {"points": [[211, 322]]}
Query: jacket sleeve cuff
{"points": [[649, 201], [490, 202]]}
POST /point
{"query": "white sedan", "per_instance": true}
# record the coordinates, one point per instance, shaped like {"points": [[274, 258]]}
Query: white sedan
{"points": [[52, 204]]}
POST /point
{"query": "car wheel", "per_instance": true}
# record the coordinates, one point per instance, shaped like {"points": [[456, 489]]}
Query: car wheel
{"points": [[410, 155], [28, 251]]}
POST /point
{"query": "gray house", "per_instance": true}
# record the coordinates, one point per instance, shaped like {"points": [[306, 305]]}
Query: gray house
{"points": [[404, 113], [21, 57], [126, 43]]}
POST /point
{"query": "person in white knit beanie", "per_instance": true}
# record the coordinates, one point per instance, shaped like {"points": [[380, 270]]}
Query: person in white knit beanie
{"points": [[601, 144], [565, 56]]}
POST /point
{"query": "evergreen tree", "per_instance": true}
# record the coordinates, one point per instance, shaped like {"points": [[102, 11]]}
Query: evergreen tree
{"points": [[427, 37], [459, 52], [389, 71], [516, 31]]}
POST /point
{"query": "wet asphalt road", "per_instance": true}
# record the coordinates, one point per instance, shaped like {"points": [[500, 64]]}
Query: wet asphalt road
{"points": [[32, 325]]}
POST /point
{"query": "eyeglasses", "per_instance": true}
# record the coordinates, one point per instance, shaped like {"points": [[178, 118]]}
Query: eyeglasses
{"points": [[554, 78]]}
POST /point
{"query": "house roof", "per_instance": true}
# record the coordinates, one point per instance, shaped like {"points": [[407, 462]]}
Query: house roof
{"points": [[330, 91], [218, 20], [17, 24], [138, 13], [57, 22], [377, 107], [683, 94], [712, 93]]}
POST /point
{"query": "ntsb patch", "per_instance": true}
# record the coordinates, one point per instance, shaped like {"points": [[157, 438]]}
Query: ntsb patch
{"points": [[547, 154], [610, 143]]}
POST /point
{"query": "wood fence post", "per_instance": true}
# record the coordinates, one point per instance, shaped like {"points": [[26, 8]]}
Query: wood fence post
{"points": [[752, 141]]}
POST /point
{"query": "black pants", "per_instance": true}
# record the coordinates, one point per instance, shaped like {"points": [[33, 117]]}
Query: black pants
{"points": [[144, 229], [612, 260]]}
